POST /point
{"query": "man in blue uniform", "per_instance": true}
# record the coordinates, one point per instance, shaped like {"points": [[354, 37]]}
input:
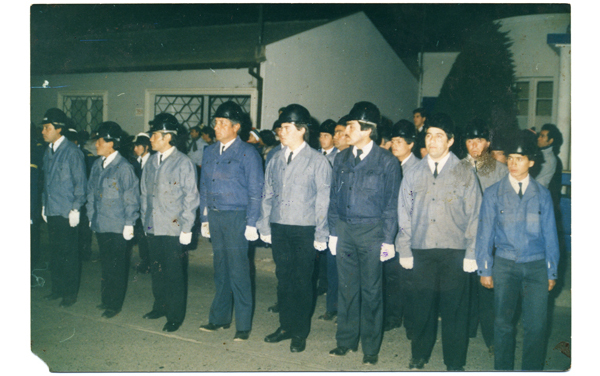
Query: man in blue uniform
{"points": [[62, 199], [169, 199], [363, 224], [230, 191]]}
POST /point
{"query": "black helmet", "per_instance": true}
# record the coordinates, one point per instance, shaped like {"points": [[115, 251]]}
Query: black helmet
{"points": [[343, 120], [230, 110], [164, 122], [365, 112], [524, 143], [477, 128], [328, 126], [141, 138], [55, 117], [441, 121], [109, 131], [295, 113], [404, 129]]}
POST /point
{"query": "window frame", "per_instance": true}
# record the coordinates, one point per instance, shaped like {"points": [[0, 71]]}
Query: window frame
{"points": [[533, 100], [81, 93]]}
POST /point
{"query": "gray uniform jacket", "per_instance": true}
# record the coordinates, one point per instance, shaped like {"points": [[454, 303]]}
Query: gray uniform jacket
{"points": [[438, 212], [548, 167], [488, 170], [331, 156], [298, 193], [113, 197], [412, 162], [169, 195], [196, 156], [64, 180]]}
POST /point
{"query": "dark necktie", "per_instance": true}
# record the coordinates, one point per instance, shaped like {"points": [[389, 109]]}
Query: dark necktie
{"points": [[160, 159], [357, 158], [520, 190], [103, 162], [194, 146], [51, 149], [290, 157], [222, 149], [324, 153], [435, 173]]}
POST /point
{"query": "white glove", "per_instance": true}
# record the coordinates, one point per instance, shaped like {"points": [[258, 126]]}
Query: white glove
{"points": [[387, 252], [90, 223], [74, 218], [469, 266], [320, 246], [265, 238], [251, 234], [332, 244], [204, 230], [407, 262], [185, 238], [128, 232], [44, 214]]}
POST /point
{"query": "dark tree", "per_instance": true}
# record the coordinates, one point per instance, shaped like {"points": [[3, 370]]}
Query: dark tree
{"points": [[481, 83]]}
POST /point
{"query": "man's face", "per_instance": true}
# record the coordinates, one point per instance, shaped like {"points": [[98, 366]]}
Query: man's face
{"points": [[543, 141], [519, 165], [400, 148], [225, 131], [339, 137], [477, 146], [290, 135], [206, 137], [437, 143], [50, 133], [139, 150], [103, 148], [278, 132], [499, 156], [356, 136], [385, 144], [160, 141], [418, 120], [326, 140], [194, 134]]}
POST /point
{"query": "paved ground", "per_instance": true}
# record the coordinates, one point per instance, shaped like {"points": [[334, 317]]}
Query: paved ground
{"points": [[77, 339]]}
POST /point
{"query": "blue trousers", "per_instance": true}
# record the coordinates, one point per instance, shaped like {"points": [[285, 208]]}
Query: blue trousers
{"points": [[332, 282], [232, 269], [65, 263], [512, 281], [115, 269]]}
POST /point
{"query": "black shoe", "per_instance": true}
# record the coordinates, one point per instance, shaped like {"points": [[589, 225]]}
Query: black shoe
{"points": [[341, 351], [370, 359], [212, 327], [328, 316], [389, 325], [67, 302], [298, 344], [152, 315], [52, 296], [110, 313], [274, 308], [171, 326], [455, 368], [241, 335], [102, 306], [278, 336], [416, 363]]}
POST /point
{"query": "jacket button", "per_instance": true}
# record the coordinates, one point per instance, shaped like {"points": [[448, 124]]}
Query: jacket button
{"points": [[350, 188], [348, 206]]}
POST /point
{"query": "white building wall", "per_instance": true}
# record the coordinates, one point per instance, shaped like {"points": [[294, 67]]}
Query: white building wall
{"points": [[126, 90], [329, 68], [436, 67]]}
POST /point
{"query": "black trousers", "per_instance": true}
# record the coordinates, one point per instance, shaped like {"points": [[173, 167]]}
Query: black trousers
{"points": [[392, 295], [294, 255], [168, 265], [115, 269], [65, 264], [438, 273], [142, 242], [481, 310], [360, 297]]}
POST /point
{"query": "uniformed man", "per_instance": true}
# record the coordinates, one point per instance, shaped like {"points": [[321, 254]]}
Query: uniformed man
{"points": [[419, 117], [294, 219], [437, 210], [230, 192], [142, 149], [169, 199], [113, 203], [340, 138], [63, 196], [363, 224]]}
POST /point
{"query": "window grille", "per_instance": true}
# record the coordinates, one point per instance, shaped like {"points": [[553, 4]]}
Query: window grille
{"points": [[188, 109], [84, 110]]}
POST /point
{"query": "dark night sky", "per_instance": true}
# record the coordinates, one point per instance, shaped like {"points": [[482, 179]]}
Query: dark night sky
{"points": [[407, 27]]}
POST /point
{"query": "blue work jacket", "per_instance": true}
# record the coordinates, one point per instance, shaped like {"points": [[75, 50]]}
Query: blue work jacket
{"points": [[297, 193], [367, 192], [113, 196], [522, 230], [232, 180]]}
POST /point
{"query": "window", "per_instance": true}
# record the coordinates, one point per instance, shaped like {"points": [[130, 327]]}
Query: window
{"points": [[543, 106], [523, 98], [188, 109], [87, 110], [535, 99]]}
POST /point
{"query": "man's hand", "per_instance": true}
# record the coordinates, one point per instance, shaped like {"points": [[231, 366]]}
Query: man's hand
{"points": [[320, 246], [487, 282], [44, 214], [74, 218], [469, 265], [551, 284], [387, 252], [407, 262], [128, 232], [204, 230], [251, 234], [185, 238], [333, 244]]}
